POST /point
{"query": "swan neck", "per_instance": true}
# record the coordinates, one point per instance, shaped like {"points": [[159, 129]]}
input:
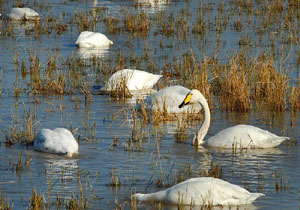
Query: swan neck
{"points": [[205, 125]]}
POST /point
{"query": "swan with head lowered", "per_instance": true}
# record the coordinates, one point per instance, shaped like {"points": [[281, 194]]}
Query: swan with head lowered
{"points": [[239, 136], [89, 39], [134, 80], [21, 14], [58, 141], [202, 191]]}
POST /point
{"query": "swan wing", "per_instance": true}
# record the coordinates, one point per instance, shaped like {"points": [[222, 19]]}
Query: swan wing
{"points": [[202, 191], [22, 14], [141, 80], [90, 39], [134, 79], [244, 136], [58, 141]]}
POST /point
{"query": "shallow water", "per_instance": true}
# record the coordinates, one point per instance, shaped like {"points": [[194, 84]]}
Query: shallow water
{"points": [[155, 157]]}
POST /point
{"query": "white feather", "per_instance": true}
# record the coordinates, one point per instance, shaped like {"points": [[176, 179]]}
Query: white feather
{"points": [[57, 141], [202, 191], [135, 80], [88, 39], [21, 14]]}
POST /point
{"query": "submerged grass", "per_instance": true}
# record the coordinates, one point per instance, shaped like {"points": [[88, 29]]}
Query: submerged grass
{"points": [[238, 81]]}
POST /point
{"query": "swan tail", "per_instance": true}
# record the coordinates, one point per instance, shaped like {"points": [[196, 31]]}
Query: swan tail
{"points": [[254, 196], [277, 141], [144, 197]]}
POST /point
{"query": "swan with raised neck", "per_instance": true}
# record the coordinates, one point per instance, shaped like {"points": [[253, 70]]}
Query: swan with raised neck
{"points": [[241, 136], [195, 96]]}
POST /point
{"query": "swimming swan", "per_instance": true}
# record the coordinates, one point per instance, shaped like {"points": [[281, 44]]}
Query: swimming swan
{"points": [[240, 136], [168, 99], [202, 191], [135, 80], [89, 39], [57, 141], [21, 14]]}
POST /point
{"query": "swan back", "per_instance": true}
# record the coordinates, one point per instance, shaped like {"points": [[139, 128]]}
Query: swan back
{"points": [[202, 191], [58, 141], [22, 14], [244, 136], [168, 100], [135, 80], [89, 39]]}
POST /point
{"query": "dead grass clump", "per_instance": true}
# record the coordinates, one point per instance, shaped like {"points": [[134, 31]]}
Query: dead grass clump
{"points": [[82, 20], [76, 204], [200, 79], [24, 134], [181, 134], [50, 86], [270, 85], [294, 98], [113, 25], [4, 204], [37, 201], [200, 25], [137, 23], [120, 90], [167, 25], [215, 171], [234, 89]]}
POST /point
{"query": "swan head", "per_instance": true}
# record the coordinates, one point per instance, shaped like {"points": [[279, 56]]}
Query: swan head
{"points": [[194, 96]]}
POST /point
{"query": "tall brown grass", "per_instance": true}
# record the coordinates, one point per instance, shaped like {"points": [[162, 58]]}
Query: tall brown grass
{"points": [[232, 85], [269, 84]]}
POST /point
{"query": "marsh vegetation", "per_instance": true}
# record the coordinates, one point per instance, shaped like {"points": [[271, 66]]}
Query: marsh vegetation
{"points": [[244, 56]]}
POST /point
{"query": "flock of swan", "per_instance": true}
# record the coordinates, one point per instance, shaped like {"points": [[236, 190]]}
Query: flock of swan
{"points": [[173, 99]]}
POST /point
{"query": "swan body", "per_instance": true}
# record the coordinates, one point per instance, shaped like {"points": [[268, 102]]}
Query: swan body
{"points": [[135, 80], [89, 39], [239, 136], [244, 136], [168, 100], [21, 14], [57, 141], [202, 191]]}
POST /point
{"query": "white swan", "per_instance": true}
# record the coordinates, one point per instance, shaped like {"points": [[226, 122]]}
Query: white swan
{"points": [[239, 136], [57, 141], [89, 39], [168, 100], [21, 14], [202, 191], [135, 80]]}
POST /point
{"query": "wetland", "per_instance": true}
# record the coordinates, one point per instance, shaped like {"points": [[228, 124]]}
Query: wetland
{"points": [[244, 56]]}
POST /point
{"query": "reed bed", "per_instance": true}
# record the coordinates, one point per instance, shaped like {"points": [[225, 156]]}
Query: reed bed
{"points": [[237, 84]]}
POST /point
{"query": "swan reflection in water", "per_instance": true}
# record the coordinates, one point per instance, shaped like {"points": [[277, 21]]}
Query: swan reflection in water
{"points": [[61, 170], [89, 53], [176, 207], [154, 3]]}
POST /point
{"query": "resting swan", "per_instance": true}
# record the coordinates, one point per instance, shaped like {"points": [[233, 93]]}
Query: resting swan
{"points": [[21, 14], [202, 191], [240, 136], [167, 99], [89, 39], [57, 141], [135, 80]]}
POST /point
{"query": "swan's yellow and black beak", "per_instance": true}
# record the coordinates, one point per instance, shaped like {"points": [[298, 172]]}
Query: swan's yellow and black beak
{"points": [[186, 101]]}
